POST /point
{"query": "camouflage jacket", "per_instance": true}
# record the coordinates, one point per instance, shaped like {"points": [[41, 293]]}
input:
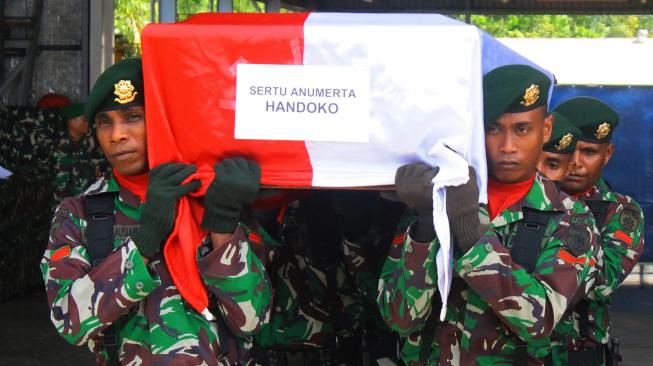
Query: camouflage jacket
{"points": [[75, 165], [26, 137], [494, 303], [308, 311], [154, 324], [303, 305], [622, 244]]}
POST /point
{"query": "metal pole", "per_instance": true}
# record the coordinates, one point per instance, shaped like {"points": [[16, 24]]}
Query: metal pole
{"points": [[86, 29], [167, 11], [273, 6], [152, 11], [26, 78], [226, 6]]}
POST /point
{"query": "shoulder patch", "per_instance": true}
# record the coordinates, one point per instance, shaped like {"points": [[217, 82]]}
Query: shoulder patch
{"points": [[577, 239], [61, 253], [629, 219]]}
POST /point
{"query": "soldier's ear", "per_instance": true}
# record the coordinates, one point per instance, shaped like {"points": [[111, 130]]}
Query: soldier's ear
{"points": [[609, 150], [548, 127]]}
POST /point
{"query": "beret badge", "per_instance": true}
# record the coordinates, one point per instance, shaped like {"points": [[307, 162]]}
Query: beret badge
{"points": [[124, 90], [531, 95], [602, 131], [564, 142]]}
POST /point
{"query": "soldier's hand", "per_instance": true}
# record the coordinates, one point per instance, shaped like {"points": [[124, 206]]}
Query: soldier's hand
{"points": [[163, 191], [414, 188], [236, 183], [462, 209]]}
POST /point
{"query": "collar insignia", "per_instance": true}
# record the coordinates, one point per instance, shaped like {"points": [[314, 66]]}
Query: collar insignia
{"points": [[124, 90]]}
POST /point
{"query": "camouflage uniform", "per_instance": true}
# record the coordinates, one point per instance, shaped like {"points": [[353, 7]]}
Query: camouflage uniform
{"points": [[309, 312], [25, 149], [622, 243], [302, 311], [494, 303], [75, 165], [155, 326]]}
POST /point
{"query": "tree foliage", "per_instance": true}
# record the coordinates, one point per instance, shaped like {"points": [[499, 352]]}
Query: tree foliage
{"points": [[563, 26], [132, 15]]}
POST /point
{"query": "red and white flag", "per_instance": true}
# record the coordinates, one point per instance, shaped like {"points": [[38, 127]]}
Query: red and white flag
{"points": [[319, 100]]}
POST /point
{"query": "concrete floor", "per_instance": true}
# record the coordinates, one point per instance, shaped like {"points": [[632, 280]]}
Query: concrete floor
{"points": [[27, 337]]}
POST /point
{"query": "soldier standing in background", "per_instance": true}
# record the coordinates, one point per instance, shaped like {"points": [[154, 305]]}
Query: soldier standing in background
{"points": [[583, 338], [556, 160], [77, 160]]}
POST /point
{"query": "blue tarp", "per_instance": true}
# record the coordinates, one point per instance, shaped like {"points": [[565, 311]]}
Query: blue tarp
{"points": [[630, 171]]}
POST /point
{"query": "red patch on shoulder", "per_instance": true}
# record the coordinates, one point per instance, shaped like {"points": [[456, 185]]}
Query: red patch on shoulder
{"points": [[398, 239], [570, 258], [623, 237], [61, 253]]}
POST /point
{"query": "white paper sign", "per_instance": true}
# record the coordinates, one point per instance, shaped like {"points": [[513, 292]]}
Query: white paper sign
{"points": [[305, 103]]}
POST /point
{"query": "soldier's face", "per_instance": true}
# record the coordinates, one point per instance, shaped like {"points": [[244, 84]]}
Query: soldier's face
{"points": [[513, 144], [121, 134], [555, 166], [590, 159], [77, 127]]}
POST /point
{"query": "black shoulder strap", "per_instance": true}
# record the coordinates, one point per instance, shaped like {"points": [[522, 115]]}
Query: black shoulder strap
{"points": [[583, 318], [530, 233], [599, 211], [99, 242], [99, 232], [428, 331], [525, 251]]}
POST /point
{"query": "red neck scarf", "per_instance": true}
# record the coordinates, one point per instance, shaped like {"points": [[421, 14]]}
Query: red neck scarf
{"points": [[503, 195], [136, 184], [581, 194]]}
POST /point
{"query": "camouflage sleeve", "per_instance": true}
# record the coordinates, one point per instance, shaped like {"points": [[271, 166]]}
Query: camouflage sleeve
{"points": [[235, 275], [61, 163], [357, 263], [532, 304], [408, 282], [84, 300], [623, 245]]}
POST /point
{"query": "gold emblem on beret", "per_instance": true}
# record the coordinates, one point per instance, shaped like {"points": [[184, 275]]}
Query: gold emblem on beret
{"points": [[124, 90], [564, 142], [531, 95], [602, 131]]}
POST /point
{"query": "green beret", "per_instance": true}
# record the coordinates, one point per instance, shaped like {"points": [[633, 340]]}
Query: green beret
{"points": [[72, 110], [513, 89], [595, 119], [563, 136], [119, 86]]}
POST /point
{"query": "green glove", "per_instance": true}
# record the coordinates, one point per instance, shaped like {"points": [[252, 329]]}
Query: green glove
{"points": [[414, 188], [158, 217], [236, 183], [462, 209]]}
